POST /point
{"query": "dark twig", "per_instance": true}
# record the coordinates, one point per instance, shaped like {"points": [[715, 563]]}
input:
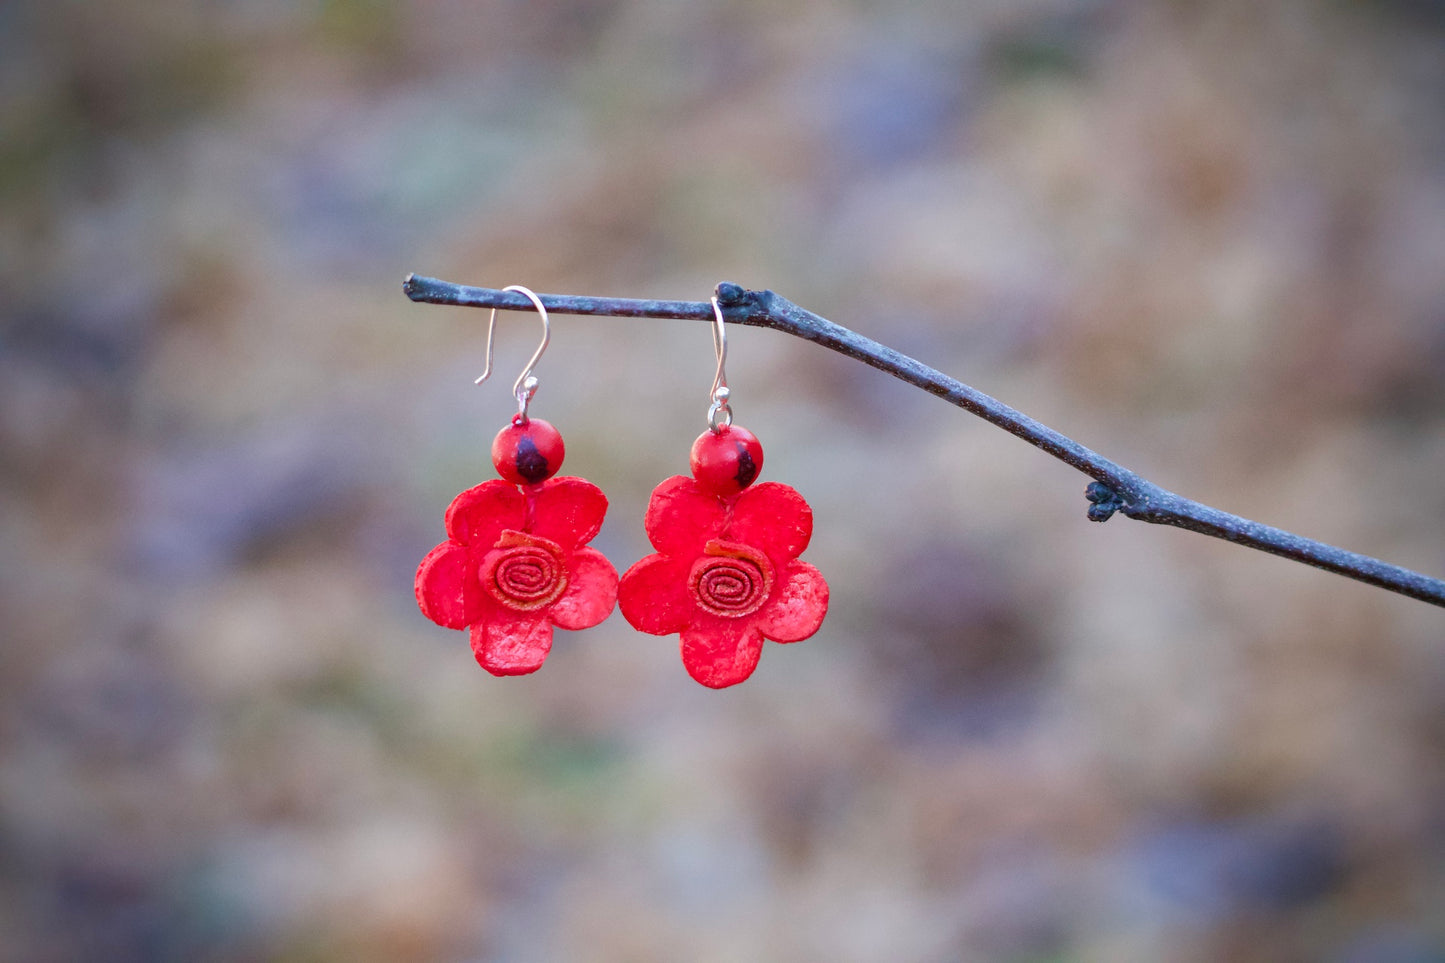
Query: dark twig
{"points": [[1114, 489]]}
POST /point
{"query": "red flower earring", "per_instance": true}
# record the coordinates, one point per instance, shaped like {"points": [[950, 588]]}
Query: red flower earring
{"points": [[516, 561], [726, 574]]}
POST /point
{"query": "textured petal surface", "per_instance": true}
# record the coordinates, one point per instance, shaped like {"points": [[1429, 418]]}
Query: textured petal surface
{"points": [[509, 643], [774, 518], [591, 592], [654, 596], [721, 653], [798, 605], [568, 511], [681, 517], [478, 515], [446, 587]]}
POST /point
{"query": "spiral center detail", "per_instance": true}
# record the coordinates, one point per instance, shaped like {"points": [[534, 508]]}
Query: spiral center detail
{"points": [[731, 579], [524, 572]]}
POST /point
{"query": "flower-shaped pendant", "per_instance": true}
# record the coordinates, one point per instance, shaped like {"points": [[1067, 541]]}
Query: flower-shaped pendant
{"points": [[516, 563], [726, 574]]}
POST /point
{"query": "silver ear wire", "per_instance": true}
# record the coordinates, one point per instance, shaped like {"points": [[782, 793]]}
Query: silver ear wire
{"points": [[526, 384], [720, 414]]}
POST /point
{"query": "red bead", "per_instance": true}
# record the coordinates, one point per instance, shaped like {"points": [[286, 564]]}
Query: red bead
{"points": [[725, 462], [529, 453]]}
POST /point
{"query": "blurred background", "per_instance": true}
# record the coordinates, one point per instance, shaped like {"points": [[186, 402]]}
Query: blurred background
{"points": [[1206, 239]]}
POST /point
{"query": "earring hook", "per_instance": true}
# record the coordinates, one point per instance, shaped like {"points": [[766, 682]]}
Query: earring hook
{"points": [[526, 384], [720, 414]]}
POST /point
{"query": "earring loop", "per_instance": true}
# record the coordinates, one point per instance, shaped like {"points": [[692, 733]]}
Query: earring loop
{"points": [[526, 384], [720, 413]]}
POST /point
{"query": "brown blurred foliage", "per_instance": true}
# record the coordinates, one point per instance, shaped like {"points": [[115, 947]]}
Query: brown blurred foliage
{"points": [[1206, 239]]}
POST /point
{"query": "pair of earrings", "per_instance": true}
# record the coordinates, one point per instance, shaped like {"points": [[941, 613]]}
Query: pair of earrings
{"points": [[725, 576]]}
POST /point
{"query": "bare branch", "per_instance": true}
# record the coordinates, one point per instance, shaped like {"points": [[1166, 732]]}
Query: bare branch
{"points": [[1114, 489]]}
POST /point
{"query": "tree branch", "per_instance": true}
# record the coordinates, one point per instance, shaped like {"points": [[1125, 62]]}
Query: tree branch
{"points": [[1114, 489]]}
